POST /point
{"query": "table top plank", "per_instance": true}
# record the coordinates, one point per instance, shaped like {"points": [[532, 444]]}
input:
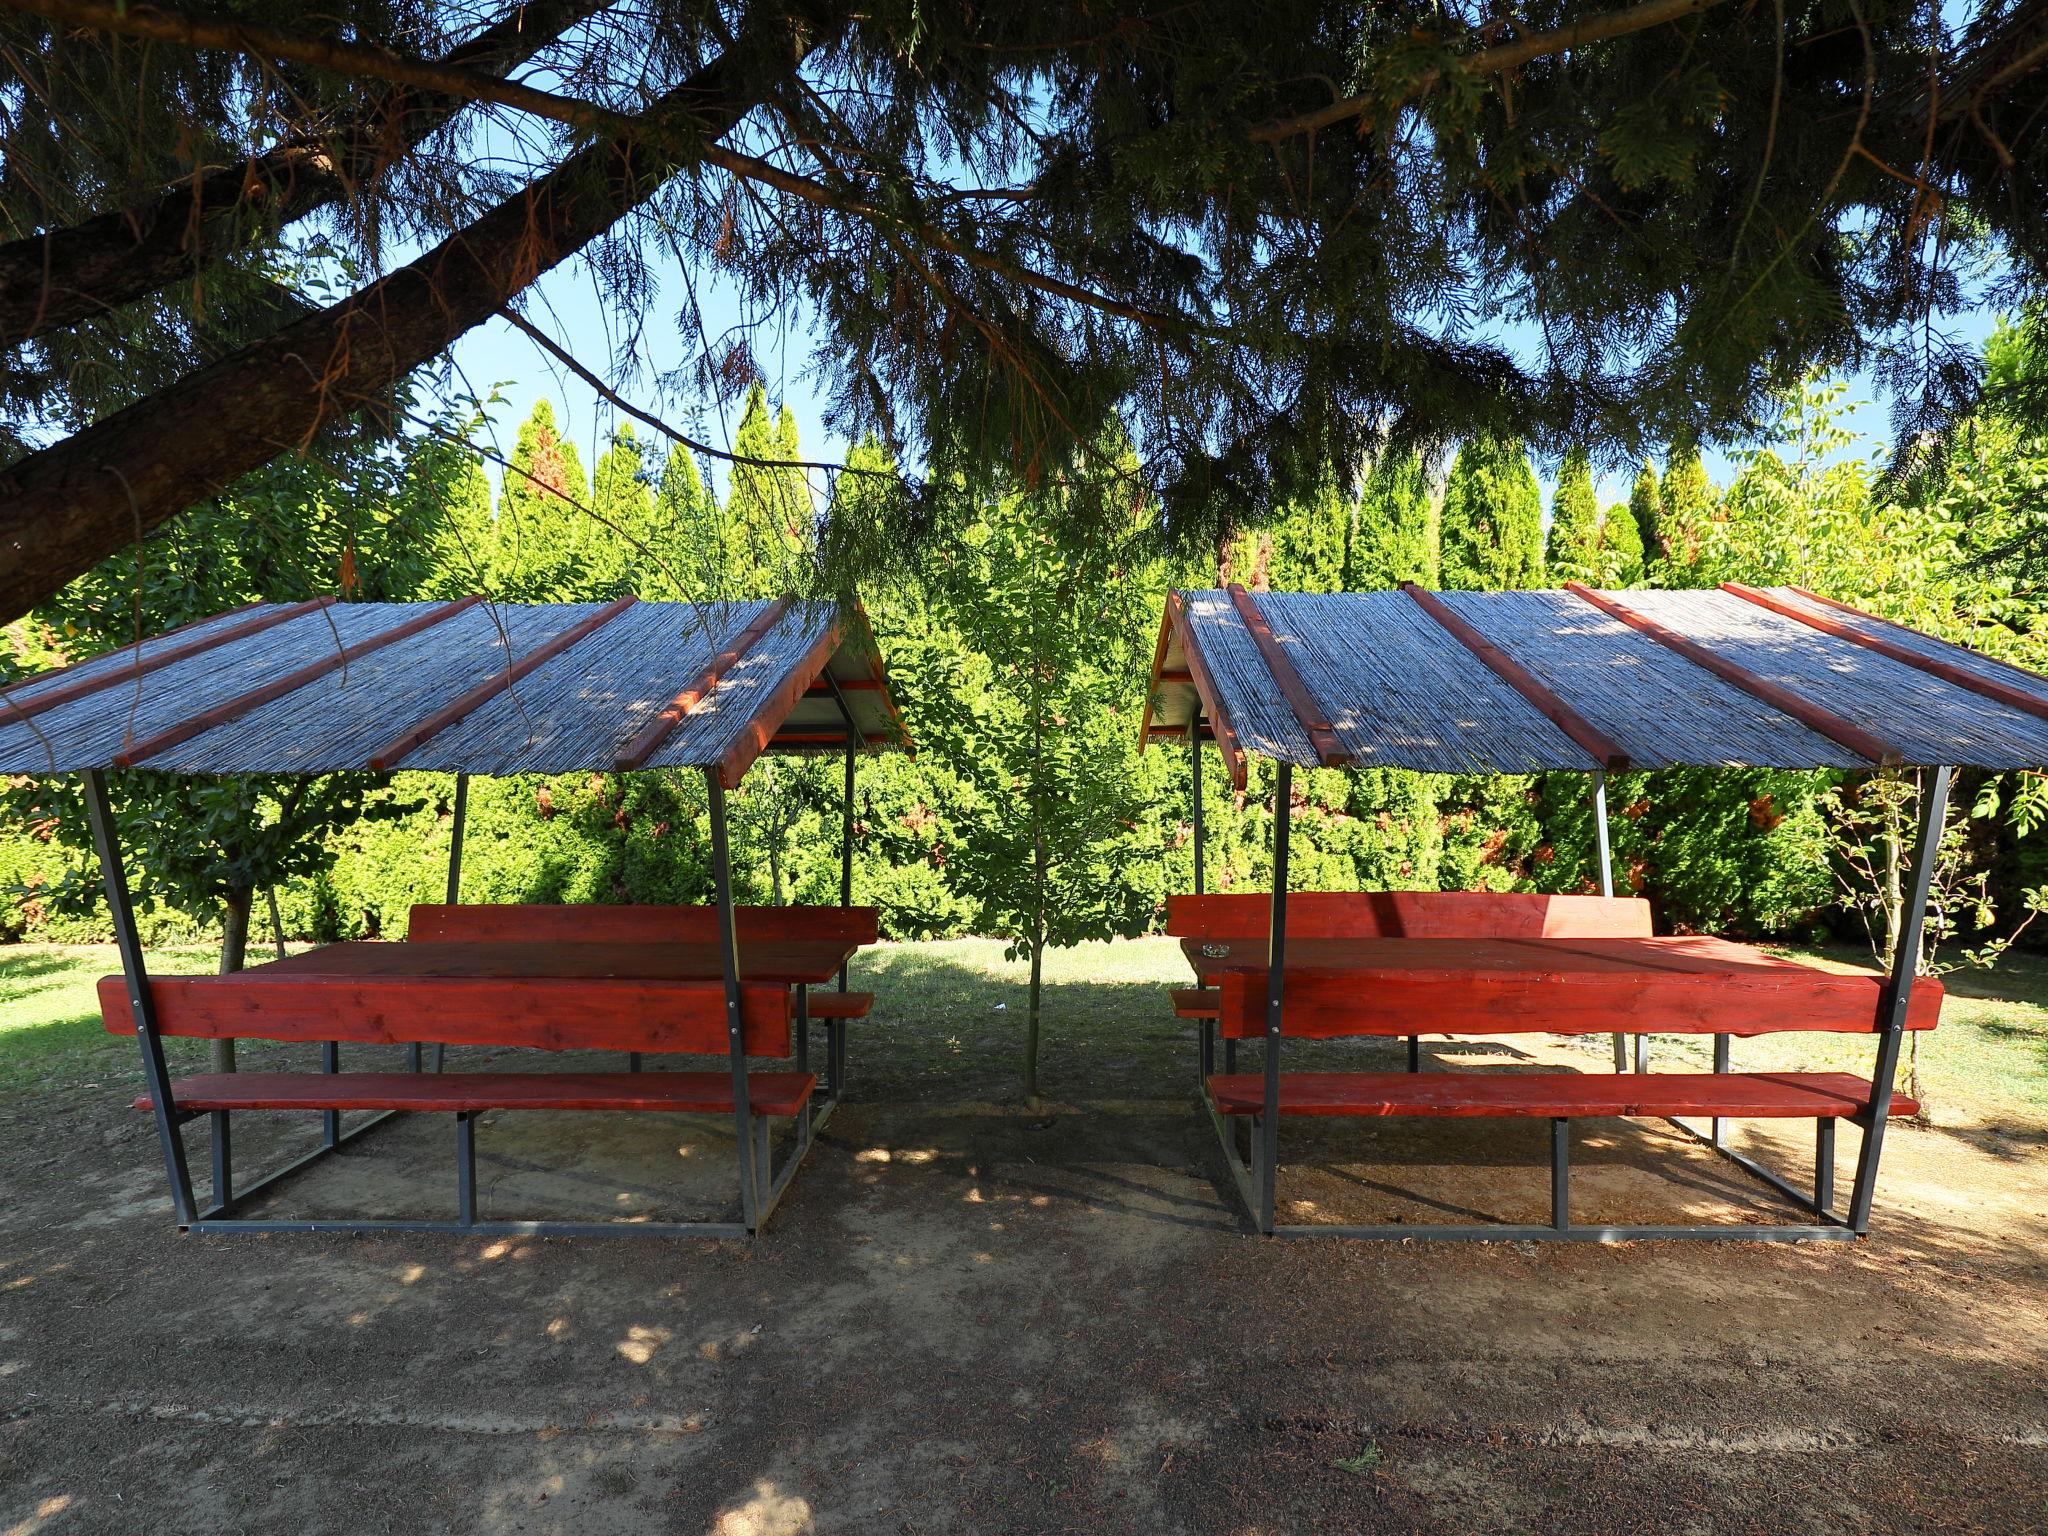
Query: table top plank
{"points": [[789, 962], [1487, 986], [1564, 961]]}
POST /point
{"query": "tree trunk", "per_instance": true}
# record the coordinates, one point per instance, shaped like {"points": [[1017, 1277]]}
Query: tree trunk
{"points": [[276, 922], [1031, 1014], [64, 509], [234, 949], [61, 276]]}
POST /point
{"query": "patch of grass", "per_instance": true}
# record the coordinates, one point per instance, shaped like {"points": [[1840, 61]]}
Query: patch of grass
{"points": [[50, 1030]]}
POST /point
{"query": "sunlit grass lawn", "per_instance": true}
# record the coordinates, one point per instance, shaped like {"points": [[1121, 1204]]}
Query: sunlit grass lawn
{"points": [[949, 1023]]}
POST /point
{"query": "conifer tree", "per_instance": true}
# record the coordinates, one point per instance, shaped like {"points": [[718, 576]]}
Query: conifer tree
{"points": [[541, 522], [688, 536], [1621, 548], [1306, 546], [1394, 532], [1687, 503], [1573, 553], [768, 515], [1492, 528], [623, 552], [1646, 506], [465, 538]]}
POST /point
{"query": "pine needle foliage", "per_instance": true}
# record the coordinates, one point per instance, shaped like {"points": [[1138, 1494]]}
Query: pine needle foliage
{"points": [[1272, 241]]}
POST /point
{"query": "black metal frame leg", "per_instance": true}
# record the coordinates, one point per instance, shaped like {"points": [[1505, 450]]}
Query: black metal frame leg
{"points": [[1561, 1175], [465, 1169], [223, 1159]]}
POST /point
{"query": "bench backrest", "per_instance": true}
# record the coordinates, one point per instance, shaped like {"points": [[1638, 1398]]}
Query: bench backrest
{"points": [[591, 923], [1412, 915], [555, 1013]]}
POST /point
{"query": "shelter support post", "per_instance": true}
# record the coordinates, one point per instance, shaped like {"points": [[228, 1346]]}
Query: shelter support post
{"points": [[1276, 989], [735, 1031], [1718, 1136], [1605, 852], [1206, 1054], [835, 1029], [458, 815], [223, 1159], [465, 1169], [1560, 1175], [1898, 993], [330, 1119], [141, 1005]]}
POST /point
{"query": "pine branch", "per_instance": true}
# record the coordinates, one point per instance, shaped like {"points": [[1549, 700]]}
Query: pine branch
{"points": [[1495, 60], [61, 276], [376, 62], [70, 505]]}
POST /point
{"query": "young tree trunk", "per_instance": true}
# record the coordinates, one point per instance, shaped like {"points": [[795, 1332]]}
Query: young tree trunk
{"points": [[67, 507], [276, 922], [234, 949], [1031, 1016]]}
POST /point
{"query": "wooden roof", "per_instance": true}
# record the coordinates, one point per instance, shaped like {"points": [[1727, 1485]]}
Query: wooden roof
{"points": [[469, 685], [1515, 682]]}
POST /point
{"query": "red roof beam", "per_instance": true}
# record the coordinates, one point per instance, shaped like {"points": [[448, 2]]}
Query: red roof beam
{"points": [[647, 741], [1604, 749], [1826, 722], [1311, 715], [78, 688], [291, 682], [414, 737], [1933, 666], [1224, 733]]}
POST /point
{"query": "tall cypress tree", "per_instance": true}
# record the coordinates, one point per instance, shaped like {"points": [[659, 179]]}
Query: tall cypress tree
{"points": [[1394, 535], [541, 524], [1688, 503], [624, 556], [768, 515], [1492, 518], [1646, 506], [1306, 548], [1573, 553], [465, 538], [1621, 548], [689, 536]]}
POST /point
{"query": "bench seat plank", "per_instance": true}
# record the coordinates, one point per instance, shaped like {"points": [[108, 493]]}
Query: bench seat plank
{"points": [[1557, 1095], [841, 1005], [1197, 1003], [768, 1093]]}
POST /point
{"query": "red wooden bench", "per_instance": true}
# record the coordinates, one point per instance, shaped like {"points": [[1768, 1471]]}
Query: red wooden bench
{"points": [[593, 923], [1377, 965], [385, 994]]}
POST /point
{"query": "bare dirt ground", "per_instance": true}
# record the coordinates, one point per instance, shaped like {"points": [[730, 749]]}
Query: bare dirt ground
{"points": [[975, 1316]]}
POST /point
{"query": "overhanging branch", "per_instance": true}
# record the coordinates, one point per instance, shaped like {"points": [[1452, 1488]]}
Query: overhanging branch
{"points": [[1492, 61], [70, 505], [58, 277]]}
